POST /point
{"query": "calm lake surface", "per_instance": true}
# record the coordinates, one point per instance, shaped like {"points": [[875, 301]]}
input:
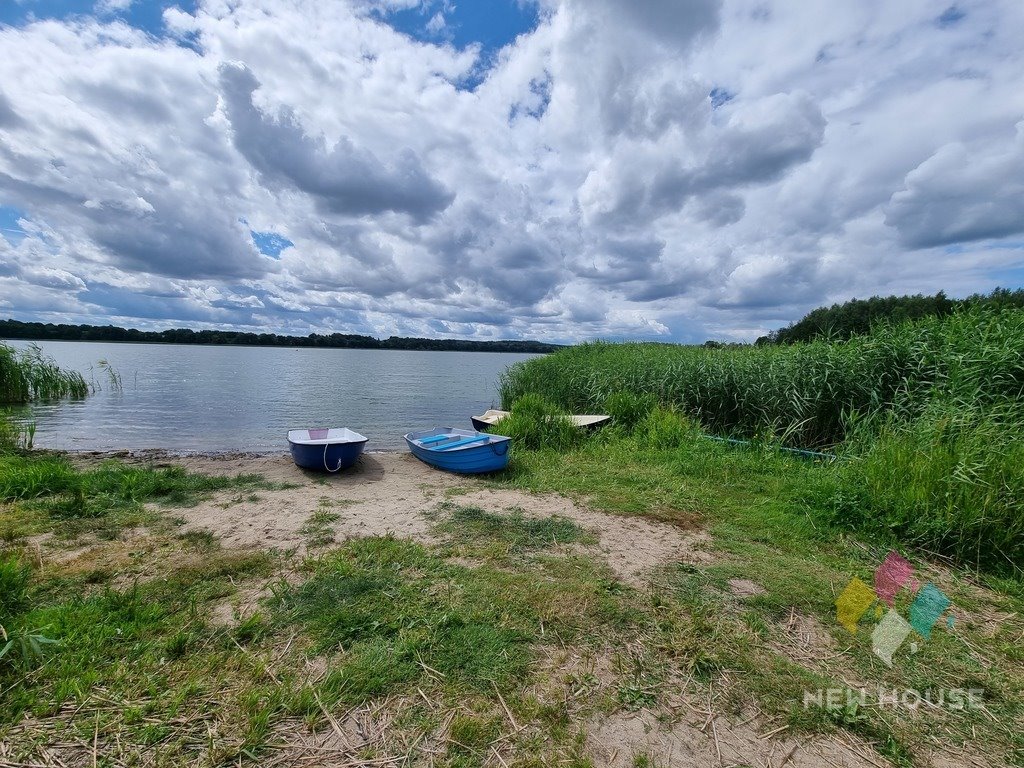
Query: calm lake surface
{"points": [[209, 398]]}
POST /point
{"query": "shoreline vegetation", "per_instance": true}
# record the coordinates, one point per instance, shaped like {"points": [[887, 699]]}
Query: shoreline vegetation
{"points": [[22, 331], [618, 599], [927, 417], [857, 316]]}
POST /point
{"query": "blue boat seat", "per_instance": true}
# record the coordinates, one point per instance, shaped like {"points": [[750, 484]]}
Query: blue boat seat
{"points": [[436, 439], [467, 441]]}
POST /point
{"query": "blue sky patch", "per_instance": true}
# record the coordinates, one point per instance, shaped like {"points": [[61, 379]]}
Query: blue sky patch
{"points": [[950, 16], [1010, 277], [270, 243], [146, 15], [9, 227], [1006, 245], [492, 25], [720, 96], [540, 89]]}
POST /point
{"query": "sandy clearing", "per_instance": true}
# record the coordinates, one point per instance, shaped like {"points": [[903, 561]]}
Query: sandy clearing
{"points": [[384, 494], [393, 493], [698, 741]]}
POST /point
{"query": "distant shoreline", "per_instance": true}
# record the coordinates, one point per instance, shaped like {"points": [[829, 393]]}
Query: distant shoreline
{"points": [[16, 330]]}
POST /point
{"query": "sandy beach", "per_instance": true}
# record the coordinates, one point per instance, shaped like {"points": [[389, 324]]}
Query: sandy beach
{"points": [[391, 493]]}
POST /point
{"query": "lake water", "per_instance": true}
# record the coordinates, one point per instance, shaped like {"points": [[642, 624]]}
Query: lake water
{"points": [[211, 398]]}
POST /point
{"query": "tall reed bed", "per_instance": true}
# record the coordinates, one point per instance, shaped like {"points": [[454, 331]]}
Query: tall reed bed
{"points": [[950, 480], [806, 395], [27, 375], [929, 416]]}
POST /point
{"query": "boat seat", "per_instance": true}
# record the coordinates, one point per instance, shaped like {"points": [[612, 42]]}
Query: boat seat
{"points": [[467, 441], [436, 439]]}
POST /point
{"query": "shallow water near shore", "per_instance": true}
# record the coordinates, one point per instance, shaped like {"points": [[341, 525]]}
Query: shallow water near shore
{"points": [[211, 399]]}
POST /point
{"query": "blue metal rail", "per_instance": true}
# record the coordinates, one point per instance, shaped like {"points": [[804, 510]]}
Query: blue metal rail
{"points": [[797, 451]]}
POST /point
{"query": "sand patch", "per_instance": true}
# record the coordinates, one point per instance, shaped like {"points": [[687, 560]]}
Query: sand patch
{"points": [[633, 546], [383, 494], [698, 740], [238, 607], [393, 493], [742, 588], [804, 640]]}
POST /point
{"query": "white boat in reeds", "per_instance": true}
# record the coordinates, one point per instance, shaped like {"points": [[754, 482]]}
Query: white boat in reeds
{"points": [[491, 417]]}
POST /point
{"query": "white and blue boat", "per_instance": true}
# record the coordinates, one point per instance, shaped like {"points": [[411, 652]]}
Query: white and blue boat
{"points": [[326, 450], [460, 450]]}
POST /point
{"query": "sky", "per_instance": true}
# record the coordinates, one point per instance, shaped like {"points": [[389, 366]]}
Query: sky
{"points": [[561, 170]]}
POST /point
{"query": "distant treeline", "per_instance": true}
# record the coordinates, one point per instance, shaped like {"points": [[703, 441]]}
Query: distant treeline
{"points": [[857, 316], [14, 329]]}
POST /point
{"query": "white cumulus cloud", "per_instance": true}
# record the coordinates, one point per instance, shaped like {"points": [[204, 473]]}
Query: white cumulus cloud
{"points": [[676, 169]]}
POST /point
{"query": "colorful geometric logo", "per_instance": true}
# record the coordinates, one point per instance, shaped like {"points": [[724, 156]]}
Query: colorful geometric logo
{"points": [[892, 630]]}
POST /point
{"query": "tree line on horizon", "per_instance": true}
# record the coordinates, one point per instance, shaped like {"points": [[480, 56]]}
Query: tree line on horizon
{"points": [[838, 322], [16, 329], [857, 316]]}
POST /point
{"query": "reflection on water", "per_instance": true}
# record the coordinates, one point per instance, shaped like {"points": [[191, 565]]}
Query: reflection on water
{"points": [[207, 398]]}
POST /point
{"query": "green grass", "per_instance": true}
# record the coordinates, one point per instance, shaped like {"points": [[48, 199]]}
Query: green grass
{"points": [[948, 482], [49, 494], [405, 617], [454, 639], [535, 423], [762, 509], [14, 578], [116, 638], [318, 529], [35, 476], [129, 627], [513, 532]]}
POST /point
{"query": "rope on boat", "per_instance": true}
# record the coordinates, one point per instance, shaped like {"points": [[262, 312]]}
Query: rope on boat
{"points": [[337, 468], [504, 447]]}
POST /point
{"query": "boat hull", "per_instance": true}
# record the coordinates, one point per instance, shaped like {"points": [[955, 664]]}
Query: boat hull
{"points": [[479, 424], [583, 421], [325, 450], [486, 453]]}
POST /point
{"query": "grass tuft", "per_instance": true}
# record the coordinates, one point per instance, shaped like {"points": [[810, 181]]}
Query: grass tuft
{"points": [[14, 579], [534, 424], [516, 531]]}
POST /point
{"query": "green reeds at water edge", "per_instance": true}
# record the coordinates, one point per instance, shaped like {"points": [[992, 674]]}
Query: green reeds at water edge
{"points": [[27, 375], [806, 395], [928, 417]]}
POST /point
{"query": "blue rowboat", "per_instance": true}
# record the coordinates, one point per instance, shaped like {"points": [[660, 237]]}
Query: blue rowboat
{"points": [[460, 450], [326, 450]]}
